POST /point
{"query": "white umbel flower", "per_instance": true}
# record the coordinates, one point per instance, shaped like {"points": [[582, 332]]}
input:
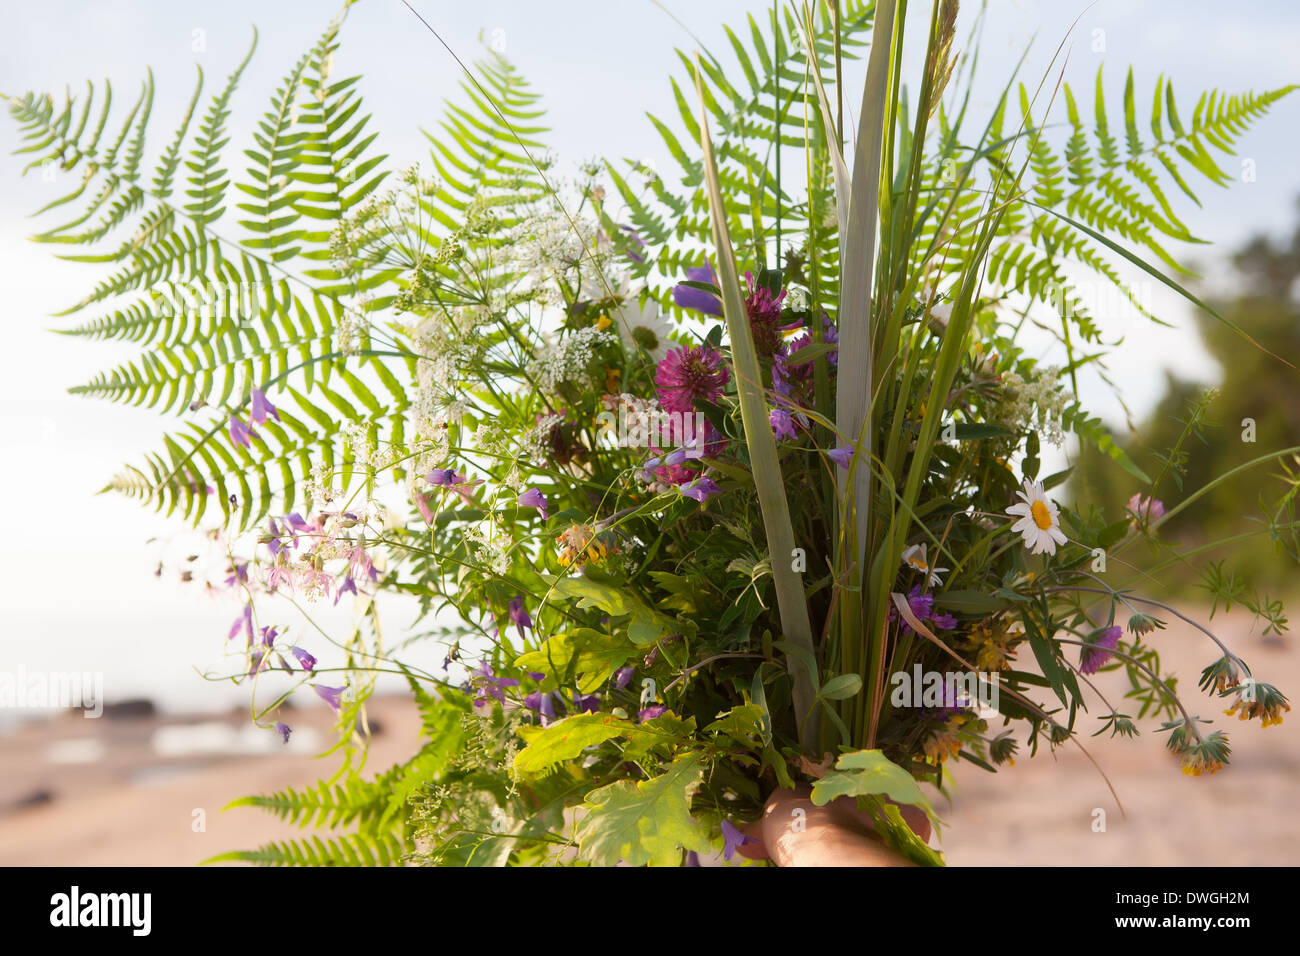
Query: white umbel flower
{"points": [[1040, 519], [915, 558]]}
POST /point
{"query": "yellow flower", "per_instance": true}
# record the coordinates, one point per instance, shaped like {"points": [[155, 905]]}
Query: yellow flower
{"points": [[578, 545], [604, 322], [993, 643], [1197, 765]]}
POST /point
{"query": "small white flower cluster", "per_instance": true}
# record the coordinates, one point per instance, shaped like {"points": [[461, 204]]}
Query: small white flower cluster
{"points": [[489, 546], [568, 358], [1037, 402], [536, 445], [319, 486]]}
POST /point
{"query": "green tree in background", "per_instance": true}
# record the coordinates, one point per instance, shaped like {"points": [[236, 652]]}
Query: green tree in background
{"points": [[1198, 432]]}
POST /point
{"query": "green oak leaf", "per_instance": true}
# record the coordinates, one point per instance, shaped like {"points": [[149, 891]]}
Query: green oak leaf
{"points": [[868, 773], [566, 739], [644, 823], [589, 594], [590, 655]]}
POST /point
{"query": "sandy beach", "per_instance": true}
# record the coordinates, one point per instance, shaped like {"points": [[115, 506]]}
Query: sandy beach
{"points": [[148, 789]]}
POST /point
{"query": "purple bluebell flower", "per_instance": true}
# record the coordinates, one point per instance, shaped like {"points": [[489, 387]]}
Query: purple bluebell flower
{"points": [[519, 616], [331, 695], [1096, 654], [689, 297], [238, 574], [637, 241], [782, 424], [443, 476], [284, 730], [651, 712], [244, 622], [733, 839], [274, 545], [240, 433], [348, 586], [305, 660], [841, 455], [532, 498], [487, 685], [257, 663], [692, 858], [261, 408], [542, 703], [623, 677], [268, 636], [701, 488], [586, 705]]}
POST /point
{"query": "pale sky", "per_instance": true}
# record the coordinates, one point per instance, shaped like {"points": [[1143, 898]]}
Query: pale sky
{"points": [[78, 591]]}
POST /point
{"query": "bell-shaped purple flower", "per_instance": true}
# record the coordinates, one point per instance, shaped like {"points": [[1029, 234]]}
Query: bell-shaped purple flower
{"points": [[519, 616], [733, 839], [305, 660], [243, 623], [331, 695], [532, 498], [261, 408], [240, 433], [689, 297], [701, 488]]}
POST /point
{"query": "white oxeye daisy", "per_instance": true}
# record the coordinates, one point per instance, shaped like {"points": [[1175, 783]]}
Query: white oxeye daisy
{"points": [[914, 557], [1040, 519], [642, 328]]}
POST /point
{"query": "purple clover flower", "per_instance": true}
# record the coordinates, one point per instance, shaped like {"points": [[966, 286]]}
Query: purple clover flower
{"points": [[1096, 654]]}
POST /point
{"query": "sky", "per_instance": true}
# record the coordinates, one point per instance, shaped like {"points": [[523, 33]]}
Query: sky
{"points": [[77, 584]]}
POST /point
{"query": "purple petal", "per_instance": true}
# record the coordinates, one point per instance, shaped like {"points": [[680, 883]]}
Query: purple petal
{"points": [[305, 660], [331, 695]]}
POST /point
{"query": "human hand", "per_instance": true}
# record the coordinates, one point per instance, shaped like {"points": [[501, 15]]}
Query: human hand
{"points": [[837, 834]]}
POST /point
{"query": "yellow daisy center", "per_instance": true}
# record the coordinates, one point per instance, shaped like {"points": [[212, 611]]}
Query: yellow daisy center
{"points": [[1042, 517]]}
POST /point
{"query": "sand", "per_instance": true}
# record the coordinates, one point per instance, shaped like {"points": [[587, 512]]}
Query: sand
{"points": [[133, 805]]}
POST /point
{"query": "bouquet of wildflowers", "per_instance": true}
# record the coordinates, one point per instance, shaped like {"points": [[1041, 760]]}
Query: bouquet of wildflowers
{"points": [[706, 485]]}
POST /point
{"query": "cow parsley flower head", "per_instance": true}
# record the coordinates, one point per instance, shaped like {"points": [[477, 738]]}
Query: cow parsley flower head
{"points": [[569, 358]]}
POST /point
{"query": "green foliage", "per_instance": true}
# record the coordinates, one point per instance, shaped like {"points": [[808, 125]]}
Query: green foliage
{"points": [[643, 823]]}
